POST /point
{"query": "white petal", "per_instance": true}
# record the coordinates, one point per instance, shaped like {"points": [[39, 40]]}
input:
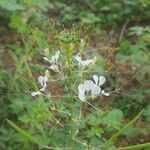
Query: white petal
{"points": [[86, 62], [82, 96], [95, 90], [88, 85], [54, 67], [103, 93], [45, 58], [81, 88], [44, 87], [36, 93], [102, 80], [45, 78], [54, 58], [57, 55], [41, 80], [46, 49], [95, 77], [78, 58]]}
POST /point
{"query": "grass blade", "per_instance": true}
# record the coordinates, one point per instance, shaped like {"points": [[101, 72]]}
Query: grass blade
{"points": [[125, 127], [30, 138], [139, 146], [23, 133]]}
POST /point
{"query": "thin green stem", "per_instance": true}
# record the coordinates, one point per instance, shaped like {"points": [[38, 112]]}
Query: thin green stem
{"points": [[134, 147], [93, 106]]}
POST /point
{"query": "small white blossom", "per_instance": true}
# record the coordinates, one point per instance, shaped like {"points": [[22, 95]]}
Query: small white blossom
{"points": [[55, 58], [53, 61], [54, 67], [83, 63], [92, 87], [43, 82], [36, 93]]}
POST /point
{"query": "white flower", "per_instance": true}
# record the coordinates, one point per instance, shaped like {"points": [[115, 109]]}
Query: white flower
{"points": [[91, 87], [86, 88], [53, 61], [100, 81], [43, 82], [54, 67], [55, 58], [36, 93], [84, 63]]}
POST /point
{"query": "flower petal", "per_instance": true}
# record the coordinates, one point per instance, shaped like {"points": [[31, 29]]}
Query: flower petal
{"points": [[86, 62], [82, 96], [36, 93], [41, 80], [103, 93], [45, 78], [54, 58], [78, 58], [95, 90], [45, 58], [102, 80], [81, 88], [44, 87], [54, 67], [88, 85], [95, 77]]}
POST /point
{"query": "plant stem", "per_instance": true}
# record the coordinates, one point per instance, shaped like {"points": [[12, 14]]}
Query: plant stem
{"points": [[138, 146]]}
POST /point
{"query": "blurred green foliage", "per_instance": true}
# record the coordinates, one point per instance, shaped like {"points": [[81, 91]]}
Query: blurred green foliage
{"points": [[29, 19]]}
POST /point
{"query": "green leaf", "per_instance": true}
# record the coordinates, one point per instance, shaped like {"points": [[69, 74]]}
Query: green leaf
{"points": [[17, 23], [131, 132], [113, 118], [10, 5], [115, 136], [43, 4]]}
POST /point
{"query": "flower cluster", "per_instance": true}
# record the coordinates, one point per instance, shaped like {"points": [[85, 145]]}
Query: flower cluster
{"points": [[43, 82], [88, 89], [92, 88], [54, 61]]}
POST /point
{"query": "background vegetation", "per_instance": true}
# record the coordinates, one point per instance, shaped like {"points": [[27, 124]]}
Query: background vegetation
{"points": [[117, 32]]}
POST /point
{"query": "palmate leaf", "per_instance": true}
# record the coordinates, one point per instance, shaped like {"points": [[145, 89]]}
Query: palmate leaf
{"points": [[113, 118], [10, 5]]}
